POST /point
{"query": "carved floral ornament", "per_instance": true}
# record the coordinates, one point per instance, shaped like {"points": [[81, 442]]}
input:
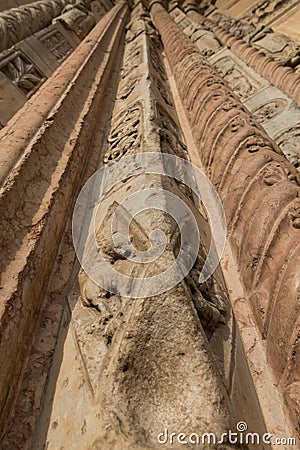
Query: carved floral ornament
{"points": [[23, 74], [270, 110]]}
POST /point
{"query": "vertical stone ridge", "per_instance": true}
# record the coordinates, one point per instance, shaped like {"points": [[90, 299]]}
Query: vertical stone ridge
{"points": [[264, 226], [50, 167], [157, 366]]}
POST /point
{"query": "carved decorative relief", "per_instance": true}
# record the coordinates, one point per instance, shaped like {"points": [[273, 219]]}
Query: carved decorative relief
{"points": [[204, 39], [210, 298], [23, 74], [133, 58], [170, 141], [126, 134], [269, 110], [274, 173], [240, 28], [156, 62], [295, 217], [18, 23], [104, 311], [289, 142], [279, 46], [57, 44], [127, 85], [162, 89], [264, 10], [78, 18], [140, 23], [236, 79]]}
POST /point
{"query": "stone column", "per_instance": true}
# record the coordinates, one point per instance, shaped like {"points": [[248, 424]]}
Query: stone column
{"points": [[282, 77], [260, 192], [19, 23], [140, 378]]}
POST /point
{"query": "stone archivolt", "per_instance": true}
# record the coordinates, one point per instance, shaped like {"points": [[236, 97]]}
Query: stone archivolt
{"points": [[134, 366], [146, 120], [284, 78], [251, 88], [47, 147]]}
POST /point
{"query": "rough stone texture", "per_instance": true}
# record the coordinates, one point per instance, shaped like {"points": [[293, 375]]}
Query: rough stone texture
{"points": [[49, 161], [18, 23], [280, 14], [77, 18], [275, 111], [92, 369], [258, 186], [26, 65], [284, 78], [279, 46], [146, 372], [8, 4]]}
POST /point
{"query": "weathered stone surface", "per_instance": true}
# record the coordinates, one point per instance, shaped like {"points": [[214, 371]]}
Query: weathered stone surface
{"points": [[258, 187], [142, 363], [284, 78], [266, 11], [18, 23], [279, 46], [90, 367], [77, 18], [48, 153], [8, 4]]}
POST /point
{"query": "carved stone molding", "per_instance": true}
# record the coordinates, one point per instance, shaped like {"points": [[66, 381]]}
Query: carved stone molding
{"points": [[265, 11], [22, 73], [57, 44], [204, 39], [259, 188], [77, 18], [144, 119], [279, 46], [26, 65], [284, 78], [46, 174], [18, 23]]}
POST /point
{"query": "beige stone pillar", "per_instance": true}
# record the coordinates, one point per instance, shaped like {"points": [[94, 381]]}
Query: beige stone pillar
{"points": [[260, 192]]}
